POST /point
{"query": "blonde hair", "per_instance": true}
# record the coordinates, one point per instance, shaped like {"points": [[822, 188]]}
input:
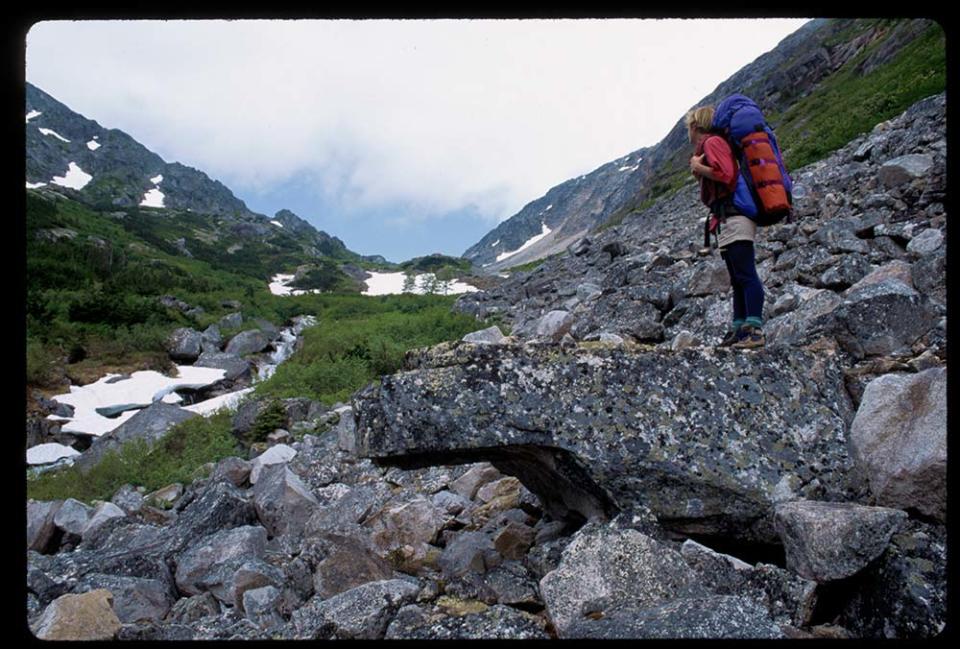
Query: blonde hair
{"points": [[701, 118]]}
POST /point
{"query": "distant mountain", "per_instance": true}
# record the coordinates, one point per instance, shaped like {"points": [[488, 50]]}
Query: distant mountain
{"points": [[826, 83], [108, 170]]}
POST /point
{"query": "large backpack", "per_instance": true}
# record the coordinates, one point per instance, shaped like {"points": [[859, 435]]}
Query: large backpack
{"points": [[763, 191]]}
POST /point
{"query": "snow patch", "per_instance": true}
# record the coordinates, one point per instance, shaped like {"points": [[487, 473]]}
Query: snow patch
{"points": [[93, 145], [153, 198], [494, 244], [32, 114], [277, 223], [75, 178], [210, 406], [633, 168], [144, 387], [278, 286], [393, 283], [156, 180], [529, 242], [31, 185], [47, 131], [49, 453]]}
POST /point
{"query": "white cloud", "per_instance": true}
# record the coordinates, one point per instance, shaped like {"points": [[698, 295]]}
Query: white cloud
{"points": [[439, 114]]}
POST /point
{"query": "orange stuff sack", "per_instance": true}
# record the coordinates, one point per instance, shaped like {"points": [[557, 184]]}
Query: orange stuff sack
{"points": [[761, 161]]}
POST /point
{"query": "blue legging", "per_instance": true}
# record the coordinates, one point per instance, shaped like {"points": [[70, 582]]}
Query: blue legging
{"points": [[747, 287]]}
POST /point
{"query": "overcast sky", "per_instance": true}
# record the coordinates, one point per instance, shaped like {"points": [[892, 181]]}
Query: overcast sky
{"points": [[401, 137]]}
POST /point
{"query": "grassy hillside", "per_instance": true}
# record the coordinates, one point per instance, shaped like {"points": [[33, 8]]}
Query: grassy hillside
{"points": [[94, 280]]}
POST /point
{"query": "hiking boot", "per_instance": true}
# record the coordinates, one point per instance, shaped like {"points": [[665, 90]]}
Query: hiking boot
{"points": [[732, 336], [749, 336]]}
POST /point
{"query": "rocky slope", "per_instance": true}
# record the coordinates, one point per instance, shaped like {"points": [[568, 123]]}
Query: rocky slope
{"points": [[799, 66], [600, 473]]}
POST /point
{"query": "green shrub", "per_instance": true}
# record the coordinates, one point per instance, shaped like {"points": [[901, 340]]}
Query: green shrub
{"points": [[41, 363], [174, 458]]}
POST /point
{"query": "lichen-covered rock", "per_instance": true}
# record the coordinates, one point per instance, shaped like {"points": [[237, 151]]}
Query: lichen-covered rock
{"points": [[830, 541], [899, 435], [708, 439], [604, 568], [348, 562], [903, 594], [232, 469], [278, 454], [72, 516], [492, 623], [882, 318], [712, 617]]}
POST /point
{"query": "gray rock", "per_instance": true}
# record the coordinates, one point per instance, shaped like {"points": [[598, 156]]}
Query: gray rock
{"points": [[247, 342], [346, 431], [211, 340], [882, 318], [149, 425], [468, 552], [349, 562], [477, 476], [100, 515], [231, 321], [708, 279], [236, 367], [85, 616], [278, 454], [360, 613], [711, 617], [228, 581], [261, 605], [184, 344], [41, 529], [830, 541], [899, 437], [215, 550], [788, 598], [134, 599], [904, 169], [602, 568], [232, 469], [218, 507], [283, 502], [515, 585], [128, 499], [73, 516], [188, 610], [588, 292], [927, 242], [553, 325], [409, 526], [490, 336]]}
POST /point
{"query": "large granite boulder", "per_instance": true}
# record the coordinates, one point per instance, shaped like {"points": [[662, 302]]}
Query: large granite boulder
{"points": [[42, 531], [708, 439], [284, 503], [361, 613], [218, 548], [899, 435], [135, 599]]}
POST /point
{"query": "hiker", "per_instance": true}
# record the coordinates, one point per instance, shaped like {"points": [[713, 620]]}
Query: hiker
{"points": [[715, 167]]}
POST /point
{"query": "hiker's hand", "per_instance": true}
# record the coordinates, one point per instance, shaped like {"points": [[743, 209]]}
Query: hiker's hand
{"points": [[696, 165]]}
